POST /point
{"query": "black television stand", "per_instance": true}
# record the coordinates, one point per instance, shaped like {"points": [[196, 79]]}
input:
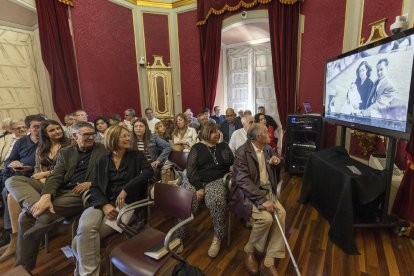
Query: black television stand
{"points": [[386, 220]]}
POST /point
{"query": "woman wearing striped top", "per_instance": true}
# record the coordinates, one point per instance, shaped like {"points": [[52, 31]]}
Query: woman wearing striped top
{"points": [[155, 149]]}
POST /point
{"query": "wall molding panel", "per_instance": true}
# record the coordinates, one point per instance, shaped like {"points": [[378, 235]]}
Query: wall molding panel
{"points": [[19, 87]]}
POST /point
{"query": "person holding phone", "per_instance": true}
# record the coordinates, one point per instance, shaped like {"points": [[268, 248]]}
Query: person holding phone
{"points": [[21, 161], [61, 195], [52, 139], [120, 177]]}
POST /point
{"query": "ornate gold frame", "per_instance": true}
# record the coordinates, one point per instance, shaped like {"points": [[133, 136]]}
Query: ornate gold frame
{"points": [[377, 32], [160, 88]]}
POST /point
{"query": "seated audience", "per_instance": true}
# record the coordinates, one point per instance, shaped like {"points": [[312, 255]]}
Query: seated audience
{"points": [[207, 163], [120, 177], [69, 120], [6, 126], [154, 148], [161, 131], [60, 196], [202, 119], [230, 125], [206, 112], [183, 136], [218, 117], [247, 112], [129, 116], [151, 120], [114, 119], [269, 119], [192, 121], [78, 116], [101, 125], [51, 139], [255, 177], [240, 113], [239, 137], [6, 140], [20, 162], [261, 119], [19, 130]]}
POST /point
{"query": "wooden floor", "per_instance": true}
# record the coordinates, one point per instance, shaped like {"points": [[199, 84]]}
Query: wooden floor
{"points": [[382, 253]]}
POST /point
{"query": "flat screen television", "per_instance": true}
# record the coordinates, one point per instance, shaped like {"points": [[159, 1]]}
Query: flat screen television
{"points": [[371, 88]]}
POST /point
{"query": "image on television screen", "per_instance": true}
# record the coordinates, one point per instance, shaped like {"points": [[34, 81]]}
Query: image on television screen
{"points": [[372, 87]]}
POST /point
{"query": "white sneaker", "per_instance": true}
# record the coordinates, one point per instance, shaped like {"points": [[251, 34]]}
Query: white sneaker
{"points": [[214, 247]]}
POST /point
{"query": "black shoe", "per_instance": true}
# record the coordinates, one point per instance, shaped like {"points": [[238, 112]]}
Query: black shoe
{"points": [[5, 237], [42, 225]]}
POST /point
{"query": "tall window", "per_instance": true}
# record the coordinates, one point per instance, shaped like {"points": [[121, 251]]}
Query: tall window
{"points": [[250, 79]]}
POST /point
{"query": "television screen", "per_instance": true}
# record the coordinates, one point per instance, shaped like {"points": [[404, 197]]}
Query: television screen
{"points": [[369, 88]]}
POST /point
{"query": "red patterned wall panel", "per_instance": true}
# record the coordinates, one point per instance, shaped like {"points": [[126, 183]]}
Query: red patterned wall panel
{"points": [[156, 37], [378, 9], [190, 64], [322, 39], [105, 50]]}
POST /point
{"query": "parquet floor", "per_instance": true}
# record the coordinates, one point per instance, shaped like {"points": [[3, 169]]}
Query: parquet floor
{"points": [[382, 252]]}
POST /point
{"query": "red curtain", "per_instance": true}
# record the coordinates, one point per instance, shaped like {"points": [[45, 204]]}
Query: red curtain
{"points": [[58, 55], [404, 201], [283, 21], [210, 46]]}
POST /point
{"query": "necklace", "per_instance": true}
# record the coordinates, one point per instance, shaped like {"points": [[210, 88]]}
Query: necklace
{"points": [[213, 154]]}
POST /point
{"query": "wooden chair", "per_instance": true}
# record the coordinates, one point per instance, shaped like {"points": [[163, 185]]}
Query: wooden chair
{"points": [[129, 256], [179, 159]]}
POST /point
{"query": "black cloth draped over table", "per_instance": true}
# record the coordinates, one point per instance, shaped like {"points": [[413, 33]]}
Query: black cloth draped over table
{"points": [[338, 193]]}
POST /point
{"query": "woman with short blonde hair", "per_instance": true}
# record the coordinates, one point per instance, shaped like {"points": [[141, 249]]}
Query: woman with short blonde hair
{"points": [[120, 177]]}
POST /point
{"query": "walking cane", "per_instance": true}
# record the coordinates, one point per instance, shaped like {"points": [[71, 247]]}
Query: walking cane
{"points": [[275, 217]]}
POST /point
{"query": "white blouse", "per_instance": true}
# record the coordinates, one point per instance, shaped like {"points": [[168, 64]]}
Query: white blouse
{"points": [[189, 138]]}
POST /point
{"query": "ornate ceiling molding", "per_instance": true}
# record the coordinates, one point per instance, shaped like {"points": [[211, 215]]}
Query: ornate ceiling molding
{"points": [[164, 5]]}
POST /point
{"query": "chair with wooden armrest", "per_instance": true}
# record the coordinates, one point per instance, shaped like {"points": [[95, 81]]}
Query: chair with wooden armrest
{"points": [[129, 256]]}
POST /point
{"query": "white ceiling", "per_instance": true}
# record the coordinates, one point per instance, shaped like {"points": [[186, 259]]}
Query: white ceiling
{"points": [[18, 13], [245, 31]]}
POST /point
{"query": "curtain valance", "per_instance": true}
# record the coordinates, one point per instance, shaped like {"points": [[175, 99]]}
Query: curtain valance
{"points": [[67, 2], [207, 7]]}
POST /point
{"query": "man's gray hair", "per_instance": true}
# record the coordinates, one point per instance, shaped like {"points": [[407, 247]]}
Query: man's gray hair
{"points": [[78, 125], [254, 131]]}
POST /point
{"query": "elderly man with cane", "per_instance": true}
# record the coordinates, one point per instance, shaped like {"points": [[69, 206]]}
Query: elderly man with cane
{"points": [[255, 177]]}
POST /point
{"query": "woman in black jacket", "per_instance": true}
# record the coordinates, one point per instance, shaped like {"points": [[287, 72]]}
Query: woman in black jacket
{"points": [[120, 177]]}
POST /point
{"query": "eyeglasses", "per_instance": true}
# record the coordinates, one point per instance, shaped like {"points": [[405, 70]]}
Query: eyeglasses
{"points": [[82, 115], [35, 127], [19, 128], [87, 135]]}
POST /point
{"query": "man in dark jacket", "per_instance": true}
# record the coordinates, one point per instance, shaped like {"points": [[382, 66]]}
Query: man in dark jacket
{"points": [[230, 125], [255, 179], [59, 197]]}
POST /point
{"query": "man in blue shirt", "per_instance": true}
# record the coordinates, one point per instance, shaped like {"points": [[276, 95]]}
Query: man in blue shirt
{"points": [[21, 161], [230, 125]]}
